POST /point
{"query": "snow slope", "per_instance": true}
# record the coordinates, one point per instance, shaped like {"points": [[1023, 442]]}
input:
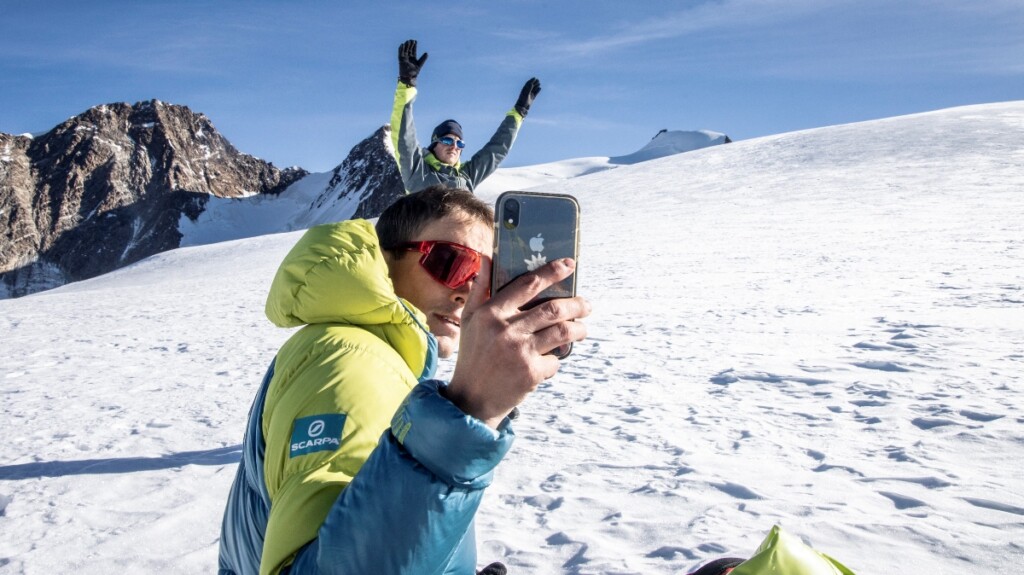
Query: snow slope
{"points": [[821, 329], [664, 143], [228, 219]]}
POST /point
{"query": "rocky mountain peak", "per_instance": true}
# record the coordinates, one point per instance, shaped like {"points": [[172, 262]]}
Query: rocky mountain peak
{"points": [[368, 178], [107, 187]]}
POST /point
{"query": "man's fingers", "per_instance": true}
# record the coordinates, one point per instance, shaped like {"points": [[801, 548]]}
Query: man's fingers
{"points": [[547, 366], [407, 49], [559, 334], [553, 323], [478, 294], [527, 286], [541, 328]]}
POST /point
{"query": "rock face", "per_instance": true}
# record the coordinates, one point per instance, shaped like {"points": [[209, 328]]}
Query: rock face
{"points": [[370, 171], [107, 188], [363, 185]]}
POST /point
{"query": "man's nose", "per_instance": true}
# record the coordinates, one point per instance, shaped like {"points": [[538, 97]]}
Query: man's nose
{"points": [[461, 293]]}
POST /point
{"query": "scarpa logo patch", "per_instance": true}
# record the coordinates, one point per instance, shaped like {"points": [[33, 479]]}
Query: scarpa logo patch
{"points": [[316, 433]]}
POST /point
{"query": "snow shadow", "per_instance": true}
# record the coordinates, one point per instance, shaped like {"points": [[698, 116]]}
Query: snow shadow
{"points": [[219, 456]]}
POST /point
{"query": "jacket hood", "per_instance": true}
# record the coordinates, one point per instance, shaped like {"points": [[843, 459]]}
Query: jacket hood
{"points": [[336, 273]]}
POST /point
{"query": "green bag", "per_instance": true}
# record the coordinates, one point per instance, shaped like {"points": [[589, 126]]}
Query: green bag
{"points": [[783, 554]]}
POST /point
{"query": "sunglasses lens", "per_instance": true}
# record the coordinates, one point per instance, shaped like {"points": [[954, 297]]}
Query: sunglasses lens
{"points": [[448, 141], [451, 265]]}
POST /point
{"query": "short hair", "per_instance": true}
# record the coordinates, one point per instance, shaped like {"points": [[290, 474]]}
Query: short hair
{"points": [[404, 219]]}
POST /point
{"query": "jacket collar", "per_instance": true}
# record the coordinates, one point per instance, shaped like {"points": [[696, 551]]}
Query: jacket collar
{"points": [[440, 166]]}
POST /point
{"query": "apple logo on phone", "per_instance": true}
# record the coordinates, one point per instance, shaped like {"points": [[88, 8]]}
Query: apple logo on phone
{"points": [[536, 260]]}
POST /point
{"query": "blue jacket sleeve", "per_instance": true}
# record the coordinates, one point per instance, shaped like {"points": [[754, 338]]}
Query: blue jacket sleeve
{"points": [[410, 508]]}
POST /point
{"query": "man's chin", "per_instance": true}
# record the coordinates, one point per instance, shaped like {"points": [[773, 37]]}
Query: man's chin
{"points": [[446, 346], [447, 336]]}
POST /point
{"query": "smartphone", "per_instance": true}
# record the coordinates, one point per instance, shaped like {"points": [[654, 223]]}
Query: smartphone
{"points": [[530, 230]]}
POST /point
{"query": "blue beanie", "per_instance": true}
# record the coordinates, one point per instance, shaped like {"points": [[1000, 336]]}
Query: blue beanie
{"points": [[443, 129]]}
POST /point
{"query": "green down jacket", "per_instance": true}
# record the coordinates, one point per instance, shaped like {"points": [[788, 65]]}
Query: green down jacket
{"points": [[336, 406]]}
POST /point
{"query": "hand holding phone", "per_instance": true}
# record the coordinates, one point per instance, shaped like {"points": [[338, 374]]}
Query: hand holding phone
{"points": [[532, 229], [504, 350]]}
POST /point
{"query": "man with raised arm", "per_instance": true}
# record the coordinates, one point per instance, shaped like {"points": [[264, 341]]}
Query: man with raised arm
{"points": [[441, 161]]}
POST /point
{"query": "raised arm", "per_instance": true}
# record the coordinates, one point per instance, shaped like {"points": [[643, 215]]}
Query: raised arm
{"points": [[489, 157]]}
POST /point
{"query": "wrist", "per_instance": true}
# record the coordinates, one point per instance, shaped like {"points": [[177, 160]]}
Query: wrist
{"points": [[455, 394]]}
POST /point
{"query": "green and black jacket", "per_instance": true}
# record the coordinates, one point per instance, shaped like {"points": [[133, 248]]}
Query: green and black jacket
{"points": [[421, 169]]}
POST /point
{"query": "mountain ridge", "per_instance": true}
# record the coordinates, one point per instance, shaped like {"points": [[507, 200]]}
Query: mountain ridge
{"points": [[121, 182]]}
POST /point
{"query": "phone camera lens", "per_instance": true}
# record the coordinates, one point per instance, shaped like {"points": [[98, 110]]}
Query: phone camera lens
{"points": [[511, 215]]}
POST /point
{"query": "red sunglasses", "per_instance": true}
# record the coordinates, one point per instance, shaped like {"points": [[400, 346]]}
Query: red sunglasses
{"points": [[449, 263]]}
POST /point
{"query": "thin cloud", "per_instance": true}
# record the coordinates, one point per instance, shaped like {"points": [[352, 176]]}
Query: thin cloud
{"points": [[707, 16], [846, 41]]}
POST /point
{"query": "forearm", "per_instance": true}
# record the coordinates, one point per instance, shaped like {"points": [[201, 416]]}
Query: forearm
{"points": [[487, 160], [403, 130]]}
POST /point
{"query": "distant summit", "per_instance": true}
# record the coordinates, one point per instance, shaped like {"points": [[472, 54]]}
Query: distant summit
{"points": [[664, 143], [668, 143]]}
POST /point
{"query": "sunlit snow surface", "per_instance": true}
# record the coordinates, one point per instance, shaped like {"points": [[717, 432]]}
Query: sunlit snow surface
{"points": [[822, 329]]}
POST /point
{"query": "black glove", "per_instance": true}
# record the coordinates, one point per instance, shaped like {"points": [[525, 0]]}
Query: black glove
{"points": [[408, 65], [530, 91], [493, 569]]}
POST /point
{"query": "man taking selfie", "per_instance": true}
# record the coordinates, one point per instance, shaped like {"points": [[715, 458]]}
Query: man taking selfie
{"points": [[441, 161], [355, 459]]}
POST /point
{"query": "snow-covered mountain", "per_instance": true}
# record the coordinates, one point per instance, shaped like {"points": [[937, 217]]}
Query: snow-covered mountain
{"points": [[820, 329], [122, 182], [107, 187]]}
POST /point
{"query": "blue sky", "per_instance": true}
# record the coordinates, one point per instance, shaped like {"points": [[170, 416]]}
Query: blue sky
{"points": [[301, 82]]}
